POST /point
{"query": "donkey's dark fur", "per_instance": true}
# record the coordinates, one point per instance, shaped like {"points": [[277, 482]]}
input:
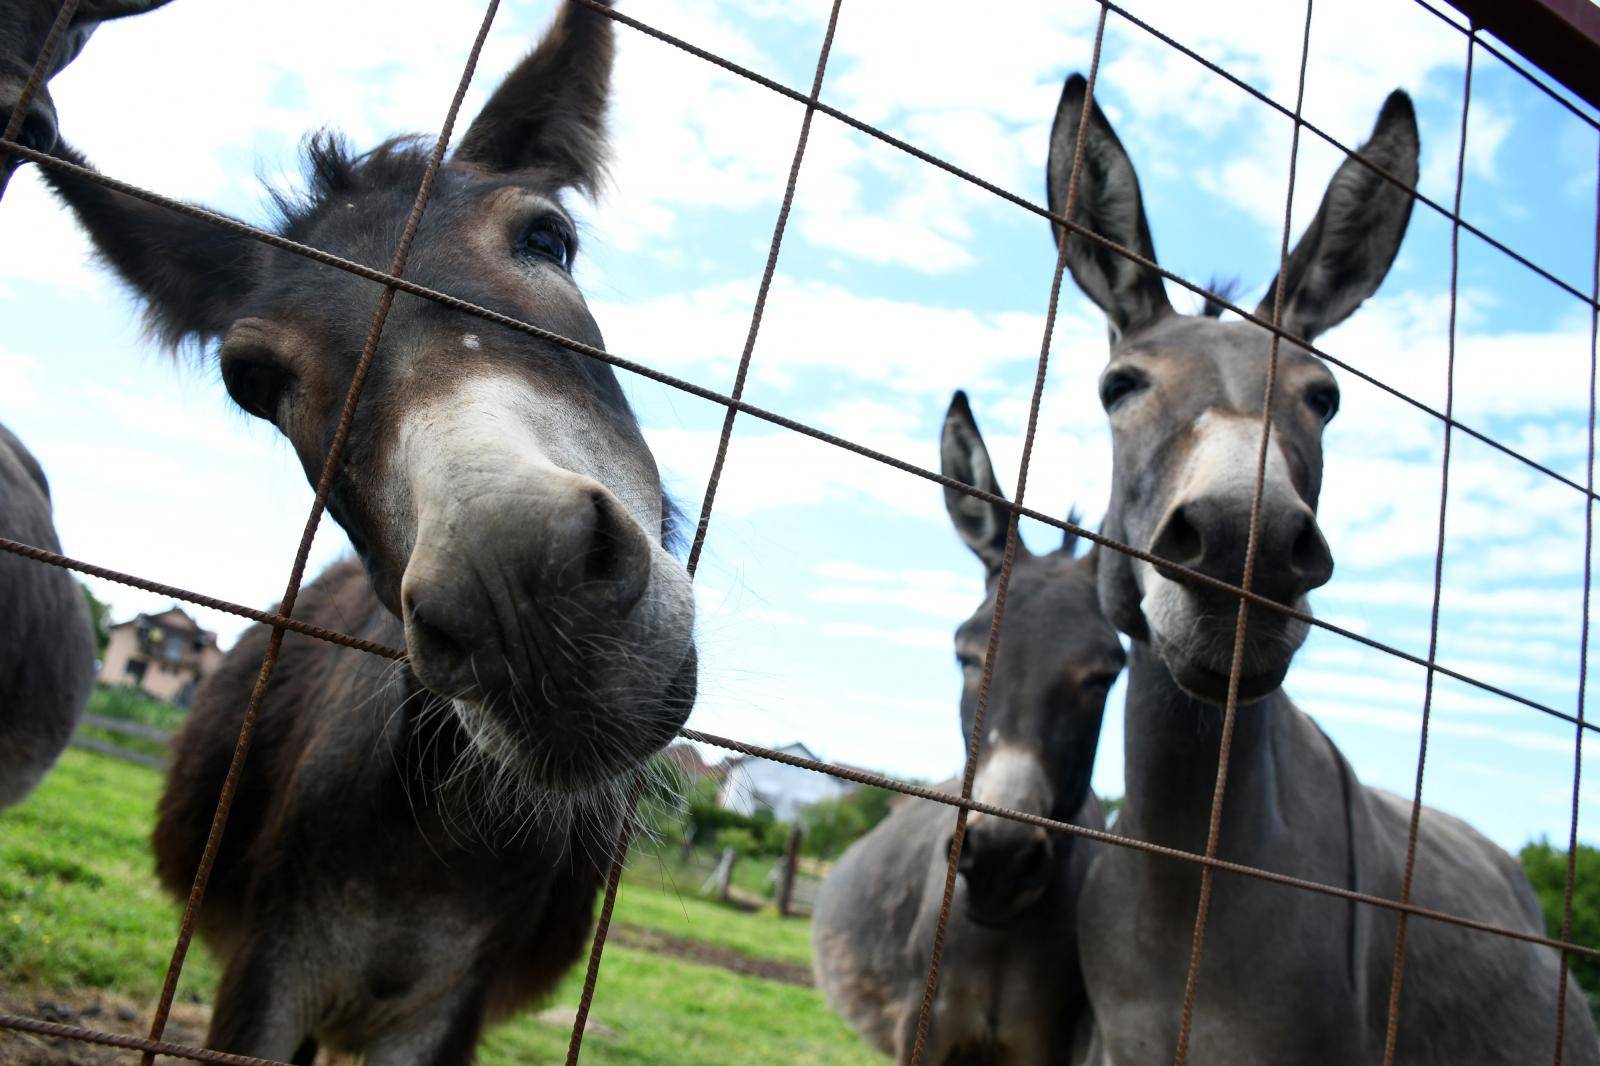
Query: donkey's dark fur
{"points": [[1287, 976], [1010, 991], [416, 849], [24, 25], [46, 641]]}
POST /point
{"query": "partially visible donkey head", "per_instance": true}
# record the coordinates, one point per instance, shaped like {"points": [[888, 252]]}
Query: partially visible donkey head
{"points": [[1057, 658], [24, 26], [495, 485], [1184, 394]]}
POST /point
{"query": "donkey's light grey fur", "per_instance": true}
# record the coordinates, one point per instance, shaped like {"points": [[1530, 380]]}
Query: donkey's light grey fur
{"points": [[46, 642], [1287, 976], [1010, 991]]}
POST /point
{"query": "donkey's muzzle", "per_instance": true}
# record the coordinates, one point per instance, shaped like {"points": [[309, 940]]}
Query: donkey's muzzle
{"points": [[507, 595], [1210, 534], [1006, 867]]}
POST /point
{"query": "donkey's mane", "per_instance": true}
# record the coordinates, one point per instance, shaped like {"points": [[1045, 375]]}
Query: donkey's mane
{"points": [[1227, 288], [332, 169]]}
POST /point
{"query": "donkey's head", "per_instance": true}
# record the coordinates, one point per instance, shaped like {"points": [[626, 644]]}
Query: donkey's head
{"points": [[495, 485], [1184, 395], [24, 25], [1057, 658]]}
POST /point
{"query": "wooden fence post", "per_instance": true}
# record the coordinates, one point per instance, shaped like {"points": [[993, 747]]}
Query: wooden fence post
{"points": [[791, 863], [722, 876]]}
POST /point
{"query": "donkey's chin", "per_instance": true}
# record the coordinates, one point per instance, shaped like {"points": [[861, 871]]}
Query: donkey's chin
{"points": [[1207, 683], [1195, 638], [582, 745]]}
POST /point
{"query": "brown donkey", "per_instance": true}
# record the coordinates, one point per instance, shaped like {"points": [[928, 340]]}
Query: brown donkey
{"points": [[1287, 976], [407, 858], [1010, 991]]}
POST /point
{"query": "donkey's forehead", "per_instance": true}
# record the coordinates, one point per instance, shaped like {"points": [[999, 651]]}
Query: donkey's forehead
{"points": [[1232, 352], [1052, 595]]}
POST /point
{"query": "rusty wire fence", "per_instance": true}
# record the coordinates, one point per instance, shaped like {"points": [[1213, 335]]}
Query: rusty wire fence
{"points": [[393, 281]]}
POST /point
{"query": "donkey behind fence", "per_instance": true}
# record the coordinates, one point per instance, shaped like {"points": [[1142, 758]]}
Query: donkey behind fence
{"points": [[407, 857], [1010, 991], [1286, 976], [46, 642]]}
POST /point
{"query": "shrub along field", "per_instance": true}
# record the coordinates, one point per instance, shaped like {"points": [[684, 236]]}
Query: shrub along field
{"points": [[81, 914]]}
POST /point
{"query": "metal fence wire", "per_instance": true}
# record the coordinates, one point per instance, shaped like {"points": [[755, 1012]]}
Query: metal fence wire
{"points": [[393, 281]]}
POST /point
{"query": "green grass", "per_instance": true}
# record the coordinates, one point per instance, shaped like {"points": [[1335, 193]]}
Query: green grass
{"points": [[79, 904], [80, 909], [763, 935], [667, 1011]]}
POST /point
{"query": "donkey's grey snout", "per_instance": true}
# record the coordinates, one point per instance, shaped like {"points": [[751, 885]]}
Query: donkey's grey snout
{"points": [[1006, 866], [499, 593], [1210, 534]]}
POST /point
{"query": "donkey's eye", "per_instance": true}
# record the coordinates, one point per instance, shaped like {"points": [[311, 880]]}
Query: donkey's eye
{"points": [[1117, 385], [548, 237], [256, 385], [1323, 401]]}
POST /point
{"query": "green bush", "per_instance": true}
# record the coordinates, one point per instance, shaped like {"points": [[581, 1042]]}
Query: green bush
{"points": [[742, 841], [835, 824], [1547, 869]]}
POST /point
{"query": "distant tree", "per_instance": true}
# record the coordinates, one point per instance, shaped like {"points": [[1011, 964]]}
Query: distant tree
{"points": [[99, 617], [1111, 805], [1547, 869], [834, 824]]}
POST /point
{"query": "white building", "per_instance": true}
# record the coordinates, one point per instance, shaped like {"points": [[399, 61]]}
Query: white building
{"points": [[750, 784]]}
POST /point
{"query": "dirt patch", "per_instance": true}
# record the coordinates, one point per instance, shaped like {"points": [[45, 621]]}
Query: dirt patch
{"points": [[87, 1009], [653, 940], [105, 1012], [111, 1013]]}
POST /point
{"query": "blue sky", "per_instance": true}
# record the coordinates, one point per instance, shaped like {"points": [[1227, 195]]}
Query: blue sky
{"points": [[832, 584]]}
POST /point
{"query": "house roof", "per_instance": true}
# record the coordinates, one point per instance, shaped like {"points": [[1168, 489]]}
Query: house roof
{"points": [[173, 617], [686, 757]]}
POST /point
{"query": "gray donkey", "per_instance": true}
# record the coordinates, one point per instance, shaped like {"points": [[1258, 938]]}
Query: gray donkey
{"points": [[46, 640], [413, 851], [1010, 991], [1287, 976]]}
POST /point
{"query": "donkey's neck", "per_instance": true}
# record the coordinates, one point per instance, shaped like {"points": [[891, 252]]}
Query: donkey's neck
{"points": [[1171, 751]]}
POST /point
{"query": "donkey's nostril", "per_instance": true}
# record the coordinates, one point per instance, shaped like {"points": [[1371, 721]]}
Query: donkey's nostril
{"points": [[1032, 863], [614, 554], [1180, 539], [440, 649], [1312, 560]]}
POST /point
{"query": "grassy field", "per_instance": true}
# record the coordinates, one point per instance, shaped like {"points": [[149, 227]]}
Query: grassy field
{"points": [[80, 910]]}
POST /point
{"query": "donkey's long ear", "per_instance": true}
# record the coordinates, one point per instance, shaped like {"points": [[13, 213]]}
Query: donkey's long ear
{"points": [[192, 274], [1108, 203], [963, 456], [550, 110], [1351, 243]]}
